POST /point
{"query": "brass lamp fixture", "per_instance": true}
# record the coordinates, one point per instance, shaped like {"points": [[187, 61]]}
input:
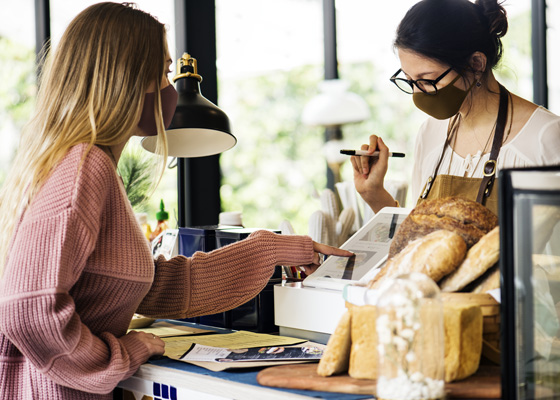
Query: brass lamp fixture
{"points": [[198, 128]]}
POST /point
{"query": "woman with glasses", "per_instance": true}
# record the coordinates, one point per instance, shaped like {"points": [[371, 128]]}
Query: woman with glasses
{"points": [[447, 51]]}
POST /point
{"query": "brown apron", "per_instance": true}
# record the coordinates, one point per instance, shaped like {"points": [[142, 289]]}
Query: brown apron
{"points": [[478, 189], [459, 186]]}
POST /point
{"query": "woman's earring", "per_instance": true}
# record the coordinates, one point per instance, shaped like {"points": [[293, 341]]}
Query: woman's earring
{"points": [[478, 84]]}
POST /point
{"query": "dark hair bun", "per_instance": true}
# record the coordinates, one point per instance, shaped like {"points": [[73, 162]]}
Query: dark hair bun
{"points": [[450, 31], [496, 16]]}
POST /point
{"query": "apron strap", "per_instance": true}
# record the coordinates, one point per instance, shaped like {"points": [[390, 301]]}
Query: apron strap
{"points": [[450, 132], [489, 170]]}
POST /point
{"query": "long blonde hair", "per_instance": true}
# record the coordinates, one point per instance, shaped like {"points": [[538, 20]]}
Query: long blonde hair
{"points": [[91, 91]]}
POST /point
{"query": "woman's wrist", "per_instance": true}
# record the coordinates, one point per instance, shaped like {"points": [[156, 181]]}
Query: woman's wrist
{"points": [[378, 199]]}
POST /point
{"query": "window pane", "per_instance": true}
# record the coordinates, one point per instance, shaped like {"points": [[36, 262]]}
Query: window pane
{"points": [[553, 50], [17, 75], [366, 30], [62, 13], [270, 60], [515, 71]]}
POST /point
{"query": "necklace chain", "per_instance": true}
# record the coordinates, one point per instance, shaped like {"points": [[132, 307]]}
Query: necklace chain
{"points": [[455, 128], [483, 150]]}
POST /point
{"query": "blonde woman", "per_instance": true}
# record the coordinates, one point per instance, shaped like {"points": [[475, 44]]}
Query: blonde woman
{"points": [[75, 265]]}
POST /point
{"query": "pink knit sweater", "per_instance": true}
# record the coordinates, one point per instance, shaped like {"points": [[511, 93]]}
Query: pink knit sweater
{"points": [[79, 267]]}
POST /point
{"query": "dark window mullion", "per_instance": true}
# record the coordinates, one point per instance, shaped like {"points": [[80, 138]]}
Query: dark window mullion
{"points": [[538, 42]]}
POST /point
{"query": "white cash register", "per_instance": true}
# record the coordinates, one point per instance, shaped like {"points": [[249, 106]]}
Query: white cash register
{"points": [[311, 309]]}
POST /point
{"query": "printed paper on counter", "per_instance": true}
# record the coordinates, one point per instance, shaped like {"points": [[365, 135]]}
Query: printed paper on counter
{"points": [[274, 353]]}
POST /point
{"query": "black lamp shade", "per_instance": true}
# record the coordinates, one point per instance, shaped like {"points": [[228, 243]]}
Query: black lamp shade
{"points": [[199, 128]]}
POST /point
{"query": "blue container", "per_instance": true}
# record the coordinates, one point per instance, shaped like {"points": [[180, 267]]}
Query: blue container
{"points": [[257, 314], [227, 236], [199, 238]]}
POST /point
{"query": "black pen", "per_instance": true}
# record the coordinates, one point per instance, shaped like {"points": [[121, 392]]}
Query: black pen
{"points": [[365, 153]]}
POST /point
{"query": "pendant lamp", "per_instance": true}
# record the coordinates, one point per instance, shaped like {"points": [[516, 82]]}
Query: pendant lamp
{"points": [[198, 128], [335, 105]]}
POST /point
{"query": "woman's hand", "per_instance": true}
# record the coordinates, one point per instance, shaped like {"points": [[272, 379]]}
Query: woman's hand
{"points": [[319, 250], [369, 174], [156, 346]]}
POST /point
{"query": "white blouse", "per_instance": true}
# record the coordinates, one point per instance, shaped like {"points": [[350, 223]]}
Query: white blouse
{"points": [[537, 144]]}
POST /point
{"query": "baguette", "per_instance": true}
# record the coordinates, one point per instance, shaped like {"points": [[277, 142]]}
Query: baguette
{"points": [[479, 259], [489, 281], [435, 255]]}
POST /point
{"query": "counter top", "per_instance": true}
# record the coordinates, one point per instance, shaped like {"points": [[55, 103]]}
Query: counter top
{"points": [[167, 379], [186, 380]]}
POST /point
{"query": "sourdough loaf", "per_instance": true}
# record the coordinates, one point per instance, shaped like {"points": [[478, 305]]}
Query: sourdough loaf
{"points": [[467, 218]]}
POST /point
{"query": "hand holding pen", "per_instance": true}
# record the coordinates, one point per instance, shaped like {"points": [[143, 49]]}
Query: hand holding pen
{"points": [[371, 151], [366, 153], [370, 170]]}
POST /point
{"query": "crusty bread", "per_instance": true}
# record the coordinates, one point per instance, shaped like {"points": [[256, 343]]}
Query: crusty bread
{"points": [[490, 280], [435, 255], [484, 254], [467, 218], [336, 356], [463, 210]]}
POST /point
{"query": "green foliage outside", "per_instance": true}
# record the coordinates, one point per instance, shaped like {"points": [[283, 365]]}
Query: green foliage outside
{"points": [[17, 95], [135, 169], [277, 169], [515, 69]]}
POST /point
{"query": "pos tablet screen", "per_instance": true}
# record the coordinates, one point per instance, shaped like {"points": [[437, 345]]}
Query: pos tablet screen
{"points": [[370, 244]]}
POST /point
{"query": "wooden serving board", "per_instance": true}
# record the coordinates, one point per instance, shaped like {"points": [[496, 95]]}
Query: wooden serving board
{"points": [[485, 384]]}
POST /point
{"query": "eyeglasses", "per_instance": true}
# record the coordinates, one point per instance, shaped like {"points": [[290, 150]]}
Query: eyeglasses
{"points": [[427, 86]]}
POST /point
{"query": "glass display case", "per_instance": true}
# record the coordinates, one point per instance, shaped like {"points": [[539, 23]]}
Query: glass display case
{"points": [[529, 216]]}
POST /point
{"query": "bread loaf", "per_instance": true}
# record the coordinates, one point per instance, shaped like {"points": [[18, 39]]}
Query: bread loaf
{"points": [[463, 325], [484, 254], [435, 255], [467, 218], [336, 356], [463, 340], [490, 280], [363, 353]]}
